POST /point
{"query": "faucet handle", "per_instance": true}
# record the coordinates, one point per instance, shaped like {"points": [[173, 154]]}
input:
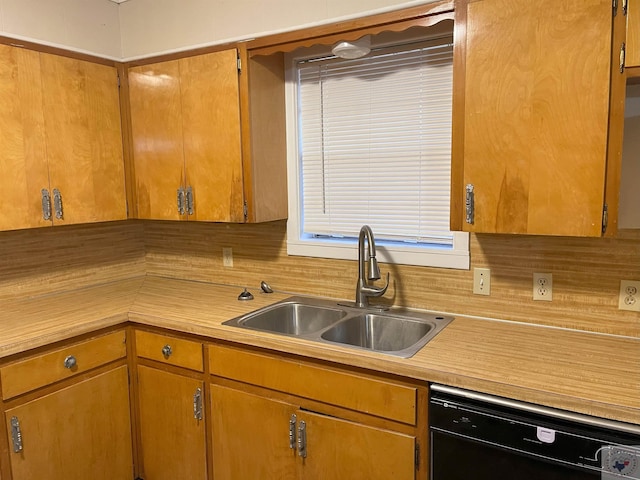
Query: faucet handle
{"points": [[373, 291], [386, 285]]}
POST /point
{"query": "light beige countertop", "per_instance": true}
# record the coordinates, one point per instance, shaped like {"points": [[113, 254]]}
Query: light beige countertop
{"points": [[579, 371]]}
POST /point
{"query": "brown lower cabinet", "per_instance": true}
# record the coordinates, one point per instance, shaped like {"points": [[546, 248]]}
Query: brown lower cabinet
{"points": [[67, 412], [173, 435], [81, 431], [171, 416], [277, 416], [202, 411], [259, 437]]}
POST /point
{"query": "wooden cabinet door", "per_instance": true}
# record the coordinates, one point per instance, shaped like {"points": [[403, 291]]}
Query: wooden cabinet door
{"points": [[633, 34], [173, 440], [83, 139], [337, 449], [82, 431], [185, 118], [22, 148], [250, 436], [211, 127], [251, 440], [158, 150], [533, 124]]}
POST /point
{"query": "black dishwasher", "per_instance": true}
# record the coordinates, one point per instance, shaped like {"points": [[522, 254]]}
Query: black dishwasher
{"points": [[481, 437]]}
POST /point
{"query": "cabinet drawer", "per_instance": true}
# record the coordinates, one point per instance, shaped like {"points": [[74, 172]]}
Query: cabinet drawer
{"points": [[379, 397], [170, 350], [38, 371]]}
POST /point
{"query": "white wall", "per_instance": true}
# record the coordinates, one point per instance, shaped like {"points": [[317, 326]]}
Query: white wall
{"points": [[157, 26], [629, 215], [91, 26], [141, 28]]}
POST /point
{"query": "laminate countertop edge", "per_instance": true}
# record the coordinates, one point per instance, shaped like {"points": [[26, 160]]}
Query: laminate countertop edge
{"points": [[587, 373]]}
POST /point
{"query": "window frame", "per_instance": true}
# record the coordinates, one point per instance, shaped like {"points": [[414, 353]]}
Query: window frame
{"points": [[298, 244]]}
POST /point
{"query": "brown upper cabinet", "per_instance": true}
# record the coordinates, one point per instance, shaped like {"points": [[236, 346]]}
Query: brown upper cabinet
{"points": [[60, 141], [200, 151], [538, 116], [633, 33]]}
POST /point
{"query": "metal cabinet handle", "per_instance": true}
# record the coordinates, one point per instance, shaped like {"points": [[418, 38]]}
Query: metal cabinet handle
{"points": [[470, 203], [16, 435], [197, 404], [189, 200], [46, 204], [70, 362], [57, 204], [167, 351], [292, 432], [302, 439], [181, 201]]}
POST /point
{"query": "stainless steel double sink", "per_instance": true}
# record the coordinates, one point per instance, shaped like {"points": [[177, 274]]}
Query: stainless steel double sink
{"points": [[395, 332]]}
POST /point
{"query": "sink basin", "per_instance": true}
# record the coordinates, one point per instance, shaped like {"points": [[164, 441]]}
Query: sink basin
{"points": [[292, 318], [384, 333], [397, 332]]}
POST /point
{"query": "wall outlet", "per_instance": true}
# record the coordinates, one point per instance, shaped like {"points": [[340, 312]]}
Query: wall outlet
{"points": [[629, 298], [543, 286], [481, 281], [227, 257]]}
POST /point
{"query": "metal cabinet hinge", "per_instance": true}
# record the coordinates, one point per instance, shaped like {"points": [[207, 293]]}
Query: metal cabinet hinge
{"points": [[239, 64], [302, 439], [245, 211], [625, 7], [46, 204], [16, 435], [605, 218], [614, 4], [197, 404], [57, 204], [292, 431], [190, 203], [623, 55], [470, 204], [417, 456], [181, 201], [118, 79]]}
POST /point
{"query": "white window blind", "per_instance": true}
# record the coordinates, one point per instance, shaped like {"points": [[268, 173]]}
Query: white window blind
{"points": [[374, 144]]}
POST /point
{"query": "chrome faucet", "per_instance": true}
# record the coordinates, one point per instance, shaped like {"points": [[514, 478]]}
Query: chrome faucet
{"points": [[363, 289]]}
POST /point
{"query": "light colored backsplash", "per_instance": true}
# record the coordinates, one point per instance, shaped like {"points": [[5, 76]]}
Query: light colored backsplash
{"points": [[586, 272], [52, 259]]}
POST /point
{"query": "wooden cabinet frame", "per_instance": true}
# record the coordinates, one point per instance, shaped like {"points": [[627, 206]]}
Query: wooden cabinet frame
{"points": [[633, 39], [181, 369], [509, 203], [61, 135], [95, 383], [315, 391]]}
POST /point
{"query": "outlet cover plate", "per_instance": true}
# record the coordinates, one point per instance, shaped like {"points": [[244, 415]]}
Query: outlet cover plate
{"points": [[629, 298], [543, 286]]}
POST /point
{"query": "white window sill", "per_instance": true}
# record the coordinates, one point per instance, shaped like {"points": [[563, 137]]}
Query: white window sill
{"points": [[455, 258]]}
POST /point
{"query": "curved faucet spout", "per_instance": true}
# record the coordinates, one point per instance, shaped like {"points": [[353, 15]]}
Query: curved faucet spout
{"points": [[363, 289]]}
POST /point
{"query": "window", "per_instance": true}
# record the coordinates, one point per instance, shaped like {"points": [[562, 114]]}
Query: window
{"points": [[370, 143]]}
